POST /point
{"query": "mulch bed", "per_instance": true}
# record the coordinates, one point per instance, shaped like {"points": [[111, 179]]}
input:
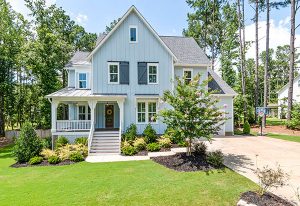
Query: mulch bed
{"points": [[44, 163], [268, 199], [182, 162]]}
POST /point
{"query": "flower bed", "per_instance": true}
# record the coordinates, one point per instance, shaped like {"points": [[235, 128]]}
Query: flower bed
{"points": [[253, 198]]}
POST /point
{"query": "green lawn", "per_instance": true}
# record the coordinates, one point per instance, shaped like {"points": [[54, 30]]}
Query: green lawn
{"points": [[285, 137], [122, 183], [275, 121]]}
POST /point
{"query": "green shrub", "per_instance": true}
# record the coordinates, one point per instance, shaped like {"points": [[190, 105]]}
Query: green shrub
{"points": [[47, 142], [182, 144], [28, 144], [215, 158], [149, 134], [246, 128], [199, 148], [171, 134], [139, 144], [61, 141], [130, 133], [164, 142], [152, 147], [127, 149], [54, 159], [35, 160], [81, 140], [294, 123], [76, 157]]}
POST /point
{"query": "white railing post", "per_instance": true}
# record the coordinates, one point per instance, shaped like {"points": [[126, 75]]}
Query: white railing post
{"points": [[121, 107], [54, 105]]}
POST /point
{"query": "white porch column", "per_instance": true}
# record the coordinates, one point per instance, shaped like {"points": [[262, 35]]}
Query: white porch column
{"points": [[121, 107], [54, 105], [92, 105]]}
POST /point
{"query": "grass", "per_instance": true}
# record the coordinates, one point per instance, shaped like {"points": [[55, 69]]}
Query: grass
{"points": [[275, 122], [120, 183], [284, 137]]}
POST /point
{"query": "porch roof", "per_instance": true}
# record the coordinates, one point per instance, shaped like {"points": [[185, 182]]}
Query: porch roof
{"points": [[81, 93]]}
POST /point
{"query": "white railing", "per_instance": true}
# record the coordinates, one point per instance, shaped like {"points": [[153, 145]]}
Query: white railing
{"points": [[73, 125], [90, 137]]}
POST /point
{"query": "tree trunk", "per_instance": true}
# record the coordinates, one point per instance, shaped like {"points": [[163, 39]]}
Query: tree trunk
{"points": [[256, 57], [242, 60], [267, 62], [292, 60]]}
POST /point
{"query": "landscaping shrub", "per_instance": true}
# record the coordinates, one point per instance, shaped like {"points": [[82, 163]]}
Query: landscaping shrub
{"points": [[127, 149], [28, 144], [47, 142], [54, 159], [199, 148], [152, 147], [130, 133], [35, 160], [164, 142], [61, 141], [294, 123], [46, 153], [82, 149], [150, 134], [215, 158], [182, 143], [76, 157], [81, 140], [139, 144], [246, 128]]}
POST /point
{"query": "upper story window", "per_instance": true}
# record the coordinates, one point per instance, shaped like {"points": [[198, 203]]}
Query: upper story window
{"points": [[299, 83], [152, 73], [82, 81], [113, 73], [133, 36], [188, 74]]}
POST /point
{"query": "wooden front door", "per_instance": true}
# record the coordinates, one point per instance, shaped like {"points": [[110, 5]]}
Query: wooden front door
{"points": [[109, 116]]}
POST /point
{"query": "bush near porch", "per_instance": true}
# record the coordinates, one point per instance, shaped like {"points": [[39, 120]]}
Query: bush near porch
{"points": [[118, 183]]}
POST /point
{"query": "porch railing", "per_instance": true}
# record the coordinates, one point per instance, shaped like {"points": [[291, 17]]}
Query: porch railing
{"points": [[73, 125]]}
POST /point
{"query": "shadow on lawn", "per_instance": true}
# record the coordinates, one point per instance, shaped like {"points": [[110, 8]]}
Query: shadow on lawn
{"points": [[237, 162]]}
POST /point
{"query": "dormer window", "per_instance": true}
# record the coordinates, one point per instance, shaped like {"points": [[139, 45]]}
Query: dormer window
{"points": [[133, 38], [82, 81]]}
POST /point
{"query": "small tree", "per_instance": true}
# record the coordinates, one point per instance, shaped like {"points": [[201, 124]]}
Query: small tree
{"points": [[194, 113], [28, 144]]}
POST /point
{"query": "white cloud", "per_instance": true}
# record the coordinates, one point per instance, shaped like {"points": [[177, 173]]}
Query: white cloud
{"points": [[19, 6], [279, 35], [81, 19]]}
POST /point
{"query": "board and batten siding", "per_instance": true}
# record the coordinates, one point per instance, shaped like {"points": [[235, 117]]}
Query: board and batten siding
{"points": [[147, 49], [71, 78], [201, 70], [228, 109]]}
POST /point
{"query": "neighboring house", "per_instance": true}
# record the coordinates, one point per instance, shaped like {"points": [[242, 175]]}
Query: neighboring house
{"points": [[123, 79], [283, 95]]}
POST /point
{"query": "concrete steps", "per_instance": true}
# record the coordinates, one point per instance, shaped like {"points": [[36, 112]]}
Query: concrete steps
{"points": [[105, 143]]}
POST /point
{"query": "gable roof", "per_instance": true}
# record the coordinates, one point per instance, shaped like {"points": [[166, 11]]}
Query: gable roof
{"points": [[219, 85], [186, 50], [130, 10], [286, 86], [79, 58]]}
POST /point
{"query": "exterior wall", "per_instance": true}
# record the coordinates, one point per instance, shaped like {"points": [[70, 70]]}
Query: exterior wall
{"points": [[147, 49], [71, 78], [229, 124], [100, 115], [178, 71]]}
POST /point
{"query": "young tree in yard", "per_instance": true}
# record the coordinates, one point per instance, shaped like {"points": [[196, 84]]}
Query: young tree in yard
{"points": [[194, 113]]}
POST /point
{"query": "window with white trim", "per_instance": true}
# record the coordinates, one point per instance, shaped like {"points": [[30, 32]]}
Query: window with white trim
{"points": [[82, 81], [188, 74], [146, 112], [81, 112], [113, 73], [133, 37], [152, 73]]}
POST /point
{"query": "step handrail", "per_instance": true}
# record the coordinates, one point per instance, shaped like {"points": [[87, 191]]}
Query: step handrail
{"points": [[90, 137]]}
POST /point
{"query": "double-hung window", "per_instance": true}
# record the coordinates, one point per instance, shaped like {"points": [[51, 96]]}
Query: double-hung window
{"points": [[113, 73], [82, 81], [146, 112], [152, 73], [188, 74], [133, 37], [81, 112]]}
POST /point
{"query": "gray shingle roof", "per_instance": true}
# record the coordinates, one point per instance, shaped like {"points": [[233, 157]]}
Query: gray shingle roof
{"points": [[79, 58], [218, 84], [186, 50]]}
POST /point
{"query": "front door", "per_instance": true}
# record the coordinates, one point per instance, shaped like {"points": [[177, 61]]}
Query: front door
{"points": [[109, 116]]}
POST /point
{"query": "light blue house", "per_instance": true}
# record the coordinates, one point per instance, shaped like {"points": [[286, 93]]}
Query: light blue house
{"points": [[123, 79]]}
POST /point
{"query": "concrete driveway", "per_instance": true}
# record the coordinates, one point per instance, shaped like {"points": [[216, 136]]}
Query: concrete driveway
{"points": [[243, 153]]}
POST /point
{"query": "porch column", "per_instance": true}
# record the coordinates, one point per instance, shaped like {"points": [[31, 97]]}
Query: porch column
{"points": [[121, 107], [54, 105], [92, 105]]}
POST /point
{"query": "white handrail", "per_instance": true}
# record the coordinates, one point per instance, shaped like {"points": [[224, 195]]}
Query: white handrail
{"points": [[67, 125], [90, 138]]}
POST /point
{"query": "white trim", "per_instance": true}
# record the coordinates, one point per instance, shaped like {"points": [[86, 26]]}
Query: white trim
{"points": [[146, 101], [192, 65], [149, 65], [132, 9], [77, 133], [136, 34], [188, 70], [108, 72]]}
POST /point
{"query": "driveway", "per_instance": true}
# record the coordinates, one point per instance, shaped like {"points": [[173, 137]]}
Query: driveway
{"points": [[243, 153]]}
